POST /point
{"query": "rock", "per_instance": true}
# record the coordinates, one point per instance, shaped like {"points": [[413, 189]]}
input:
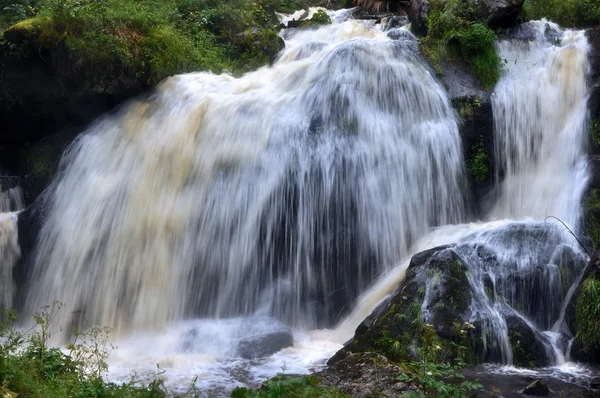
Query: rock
{"points": [[264, 345], [397, 21], [39, 30], [528, 349], [470, 295], [497, 13], [537, 389], [477, 136], [593, 36], [417, 15], [595, 383], [364, 376]]}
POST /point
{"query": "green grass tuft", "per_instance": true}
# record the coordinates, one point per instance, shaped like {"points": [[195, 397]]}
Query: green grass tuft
{"points": [[569, 13]]}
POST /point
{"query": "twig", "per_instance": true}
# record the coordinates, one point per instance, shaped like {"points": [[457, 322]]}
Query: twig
{"points": [[570, 231]]}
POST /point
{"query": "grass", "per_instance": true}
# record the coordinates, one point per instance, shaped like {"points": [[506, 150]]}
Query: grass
{"points": [[478, 164], [569, 13], [452, 34], [587, 315], [290, 386]]}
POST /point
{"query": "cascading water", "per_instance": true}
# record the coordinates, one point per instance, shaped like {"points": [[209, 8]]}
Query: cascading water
{"points": [[11, 200], [540, 117], [284, 192]]}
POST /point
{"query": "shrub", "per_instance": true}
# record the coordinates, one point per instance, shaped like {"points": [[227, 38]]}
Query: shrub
{"points": [[452, 34], [570, 13]]}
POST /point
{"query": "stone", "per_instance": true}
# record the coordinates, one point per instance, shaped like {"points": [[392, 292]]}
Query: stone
{"points": [[537, 389], [397, 21], [497, 13], [365, 375], [595, 383], [417, 14], [264, 345]]}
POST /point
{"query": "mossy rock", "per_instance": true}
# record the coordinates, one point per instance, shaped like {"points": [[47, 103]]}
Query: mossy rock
{"points": [[398, 329], [586, 346], [39, 31], [592, 216]]}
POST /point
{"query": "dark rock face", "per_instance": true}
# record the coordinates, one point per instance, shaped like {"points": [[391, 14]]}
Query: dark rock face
{"points": [[537, 389], [593, 36], [497, 13], [265, 345], [364, 376], [477, 134]]}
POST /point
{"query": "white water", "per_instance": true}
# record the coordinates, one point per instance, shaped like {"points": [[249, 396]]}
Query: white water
{"points": [[540, 114], [11, 200], [286, 193]]}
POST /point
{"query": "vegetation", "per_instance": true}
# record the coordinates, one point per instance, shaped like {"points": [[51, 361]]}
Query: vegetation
{"points": [[570, 13], [433, 374], [478, 164], [319, 18], [587, 315], [29, 367], [592, 216], [453, 34], [289, 386], [148, 39]]}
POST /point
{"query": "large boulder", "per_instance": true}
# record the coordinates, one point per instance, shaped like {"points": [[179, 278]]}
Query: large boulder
{"points": [[488, 298], [418, 16]]}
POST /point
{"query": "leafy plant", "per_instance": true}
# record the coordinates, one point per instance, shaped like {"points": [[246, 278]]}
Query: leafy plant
{"points": [[453, 34]]}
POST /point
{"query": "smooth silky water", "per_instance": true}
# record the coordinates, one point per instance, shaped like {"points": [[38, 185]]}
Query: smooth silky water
{"points": [[296, 195]]}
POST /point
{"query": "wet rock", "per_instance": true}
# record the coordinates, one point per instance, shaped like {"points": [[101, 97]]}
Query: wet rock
{"points": [[365, 375], [595, 383], [397, 21], [468, 295], [418, 16], [477, 135], [528, 349], [497, 13], [264, 345], [537, 389]]}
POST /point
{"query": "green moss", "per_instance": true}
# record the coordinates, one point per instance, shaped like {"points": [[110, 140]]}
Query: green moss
{"points": [[595, 132], [148, 40], [477, 165], [289, 386], [587, 315], [39, 30], [521, 355], [592, 216], [318, 19], [570, 13], [454, 34]]}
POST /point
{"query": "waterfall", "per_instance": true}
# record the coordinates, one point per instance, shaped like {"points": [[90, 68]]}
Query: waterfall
{"points": [[283, 192], [540, 120], [11, 200]]}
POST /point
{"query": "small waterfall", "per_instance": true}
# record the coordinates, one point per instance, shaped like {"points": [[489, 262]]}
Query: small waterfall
{"points": [[284, 192], [11, 200], [540, 116]]}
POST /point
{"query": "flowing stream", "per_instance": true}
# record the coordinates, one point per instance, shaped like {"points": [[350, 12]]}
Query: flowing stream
{"points": [[224, 208]]}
